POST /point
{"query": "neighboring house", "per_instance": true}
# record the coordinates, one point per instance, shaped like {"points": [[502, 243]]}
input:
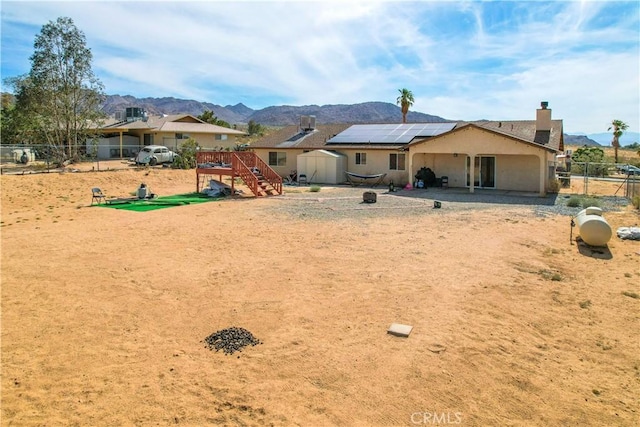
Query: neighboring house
{"points": [[124, 136], [503, 155]]}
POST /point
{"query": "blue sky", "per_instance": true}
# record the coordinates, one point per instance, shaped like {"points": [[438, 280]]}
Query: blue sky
{"points": [[462, 60]]}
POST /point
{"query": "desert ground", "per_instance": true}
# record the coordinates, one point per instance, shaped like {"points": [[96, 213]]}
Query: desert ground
{"points": [[104, 311]]}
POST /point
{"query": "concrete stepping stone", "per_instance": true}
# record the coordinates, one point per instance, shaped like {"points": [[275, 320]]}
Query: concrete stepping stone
{"points": [[399, 330]]}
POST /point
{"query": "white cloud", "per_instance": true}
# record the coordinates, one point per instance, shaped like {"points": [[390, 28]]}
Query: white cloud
{"points": [[468, 60]]}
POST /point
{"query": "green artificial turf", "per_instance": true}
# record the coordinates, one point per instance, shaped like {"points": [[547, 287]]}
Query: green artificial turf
{"points": [[158, 203]]}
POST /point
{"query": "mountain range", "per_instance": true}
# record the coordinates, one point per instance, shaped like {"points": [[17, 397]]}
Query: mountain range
{"points": [[367, 112]]}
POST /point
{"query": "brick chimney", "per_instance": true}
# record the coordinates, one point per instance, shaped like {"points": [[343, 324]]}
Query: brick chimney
{"points": [[543, 117]]}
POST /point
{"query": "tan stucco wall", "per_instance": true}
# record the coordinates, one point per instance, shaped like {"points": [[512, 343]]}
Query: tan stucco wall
{"points": [[517, 173], [519, 166], [474, 141], [377, 162], [207, 141], [292, 159], [441, 165]]}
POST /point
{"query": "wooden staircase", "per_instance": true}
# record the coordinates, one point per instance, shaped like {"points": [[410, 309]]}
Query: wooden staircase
{"points": [[261, 179]]}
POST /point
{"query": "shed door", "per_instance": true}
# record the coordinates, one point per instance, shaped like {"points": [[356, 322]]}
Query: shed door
{"points": [[320, 170]]}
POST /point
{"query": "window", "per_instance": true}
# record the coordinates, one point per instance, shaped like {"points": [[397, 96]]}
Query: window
{"points": [[277, 158], [396, 162], [221, 137], [361, 158], [182, 136], [148, 139]]}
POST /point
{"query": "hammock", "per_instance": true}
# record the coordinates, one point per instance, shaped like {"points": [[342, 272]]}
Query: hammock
{"points": [[357, 179]]}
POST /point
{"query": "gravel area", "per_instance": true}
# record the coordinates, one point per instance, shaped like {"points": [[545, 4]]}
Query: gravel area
{"points": [[231, 340], [347, 202]]}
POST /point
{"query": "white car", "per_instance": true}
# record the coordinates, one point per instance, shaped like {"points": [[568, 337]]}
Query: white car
{"points": [[154, 155]]}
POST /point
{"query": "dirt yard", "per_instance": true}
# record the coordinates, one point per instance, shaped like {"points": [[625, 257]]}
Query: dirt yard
{"points": [[104, 312]]}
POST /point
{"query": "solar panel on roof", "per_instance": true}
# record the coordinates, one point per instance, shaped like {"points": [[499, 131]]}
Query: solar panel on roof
{"points": [[297, 136], [389, 133], [295, 139]]}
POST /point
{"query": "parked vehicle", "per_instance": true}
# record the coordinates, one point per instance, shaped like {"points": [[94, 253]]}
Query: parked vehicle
{"points": [[155, 155], [629, 169]]}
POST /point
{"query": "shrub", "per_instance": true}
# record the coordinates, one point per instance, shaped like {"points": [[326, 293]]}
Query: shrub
{"points": [[574, 202], [585, 202], [554, 186], [186, 155], [314, 189], [591, 201], [635, 201]]}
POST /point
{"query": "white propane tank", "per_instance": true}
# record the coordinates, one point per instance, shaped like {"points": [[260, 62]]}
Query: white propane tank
{"points": [[594, 229]]}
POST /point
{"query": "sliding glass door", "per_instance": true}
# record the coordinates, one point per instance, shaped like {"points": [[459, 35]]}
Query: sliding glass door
{"points": [[484, 173]]}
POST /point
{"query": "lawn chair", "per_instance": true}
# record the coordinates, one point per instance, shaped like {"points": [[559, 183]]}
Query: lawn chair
{"points": [[288, 181], [97, 195], [302, 179], [292, 178]]}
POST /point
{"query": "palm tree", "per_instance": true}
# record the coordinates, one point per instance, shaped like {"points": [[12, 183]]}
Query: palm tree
{"points": [[405, 100], [618, 127]]}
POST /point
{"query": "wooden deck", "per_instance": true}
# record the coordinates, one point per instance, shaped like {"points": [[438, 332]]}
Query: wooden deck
{"points": [[246, 165]]}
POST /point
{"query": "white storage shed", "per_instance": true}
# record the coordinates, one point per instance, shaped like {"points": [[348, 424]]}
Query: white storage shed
{"points": [[322, 166]]}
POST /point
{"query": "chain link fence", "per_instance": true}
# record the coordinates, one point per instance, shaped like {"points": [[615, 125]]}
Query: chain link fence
{"points": [[601, 179]]}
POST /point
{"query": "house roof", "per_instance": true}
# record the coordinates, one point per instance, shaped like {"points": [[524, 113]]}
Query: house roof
{"points": [[176, 123], [345, 136], [293, 137], [520, 130], [525, 130]]}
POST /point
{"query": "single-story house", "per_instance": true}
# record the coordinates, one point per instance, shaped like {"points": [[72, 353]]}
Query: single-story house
{"points": [[123, 136], [503, 155]]}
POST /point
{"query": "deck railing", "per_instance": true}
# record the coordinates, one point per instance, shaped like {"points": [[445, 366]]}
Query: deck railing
{"points": [[269, 174], [243, 164]]}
